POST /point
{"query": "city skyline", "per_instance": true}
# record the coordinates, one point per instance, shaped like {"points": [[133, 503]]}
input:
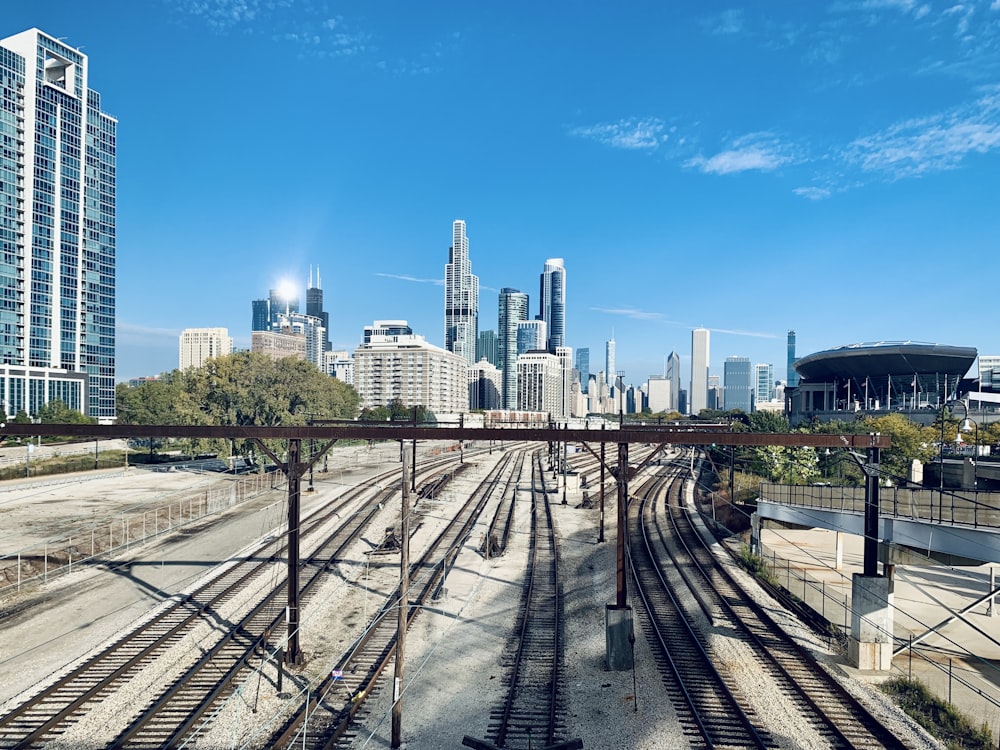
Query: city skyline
{"points": [[702, 166]]}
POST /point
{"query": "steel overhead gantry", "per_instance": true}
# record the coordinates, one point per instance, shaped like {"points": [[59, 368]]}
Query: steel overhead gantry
{"points": [[294, 468]]}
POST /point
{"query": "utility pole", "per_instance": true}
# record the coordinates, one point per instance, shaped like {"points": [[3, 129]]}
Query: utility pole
{"points": [[600, 535], [403, 612], [292, 654]]}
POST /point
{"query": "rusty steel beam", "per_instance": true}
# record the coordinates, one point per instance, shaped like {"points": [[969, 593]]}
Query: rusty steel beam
{"points": [[360, 431]]}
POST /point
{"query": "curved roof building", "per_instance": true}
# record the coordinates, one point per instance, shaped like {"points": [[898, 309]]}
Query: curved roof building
{"points": [[886, 358], [879, 376]]}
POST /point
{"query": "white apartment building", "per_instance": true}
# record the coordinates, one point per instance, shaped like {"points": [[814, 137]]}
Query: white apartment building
{"points": [[340, 365], [197, 345], [407, 368], [540, 377], [485, 386]]}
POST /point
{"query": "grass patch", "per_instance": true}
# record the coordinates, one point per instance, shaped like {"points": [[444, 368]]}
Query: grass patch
{"points": [[939, 718], [755, 565]]}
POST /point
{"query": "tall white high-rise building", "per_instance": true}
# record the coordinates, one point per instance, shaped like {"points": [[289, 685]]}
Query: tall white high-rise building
{"points": [[763, 383], [552, 302], [461, 298], [609, 362], [698, 397], [198, 345], [57, 230]]}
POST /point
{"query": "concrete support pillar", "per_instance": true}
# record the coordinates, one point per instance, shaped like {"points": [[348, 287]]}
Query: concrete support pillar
{"points": [[755, 527], [991, 606], [870, 643], [619, 638], [968, 474], [838, 561]]}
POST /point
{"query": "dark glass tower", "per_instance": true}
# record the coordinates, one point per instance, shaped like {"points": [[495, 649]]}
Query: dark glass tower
{"points": [[552, 302], [314, 306], [792, 377]]}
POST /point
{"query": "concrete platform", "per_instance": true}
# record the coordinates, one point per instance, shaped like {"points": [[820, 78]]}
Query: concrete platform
{"points": [[956, 637]]}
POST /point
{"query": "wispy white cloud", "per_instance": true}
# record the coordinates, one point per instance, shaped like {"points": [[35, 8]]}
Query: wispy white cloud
{"points": [[736, 332], [630, 312], [404, 277], [757, 151], [911, 7], [631, 133], [131, 329], [728, 22], [939, 142], [313, 30], [224, 15], [813, 193]]}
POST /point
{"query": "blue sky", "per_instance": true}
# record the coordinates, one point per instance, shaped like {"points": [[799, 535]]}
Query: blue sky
{"points": [[831, 167]]}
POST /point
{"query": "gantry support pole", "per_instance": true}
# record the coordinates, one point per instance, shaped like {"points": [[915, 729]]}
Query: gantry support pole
{"points": [[622, 600], [600, 535], [403, 611], [871, 513], [292, 654], [293, 469]]}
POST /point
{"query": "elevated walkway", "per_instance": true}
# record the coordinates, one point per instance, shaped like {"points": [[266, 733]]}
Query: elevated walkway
{"points": [[948, 527]]}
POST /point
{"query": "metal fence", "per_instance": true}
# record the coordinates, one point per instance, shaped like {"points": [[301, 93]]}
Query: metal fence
{"points": [[972, 683], [101, 540], [965, 507]]}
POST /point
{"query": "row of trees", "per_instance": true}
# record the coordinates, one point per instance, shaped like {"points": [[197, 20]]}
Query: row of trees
{"points": [[909, 440], [244, 388]]}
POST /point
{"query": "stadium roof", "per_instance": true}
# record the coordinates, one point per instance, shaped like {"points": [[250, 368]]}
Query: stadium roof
{"points": [[885, 358]]}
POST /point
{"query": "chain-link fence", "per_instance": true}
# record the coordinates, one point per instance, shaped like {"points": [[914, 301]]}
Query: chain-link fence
{"points": [[103, 539]]}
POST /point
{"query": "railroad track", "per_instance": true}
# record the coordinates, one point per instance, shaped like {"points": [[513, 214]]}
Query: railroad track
{"points": [[234, 627], [836, 715], [324, 718], [531, 712], [495, 542], [709, 710]]}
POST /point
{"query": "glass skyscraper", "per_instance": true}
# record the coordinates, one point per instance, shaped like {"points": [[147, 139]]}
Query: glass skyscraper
{"points": [[552, 302], [583, 367], [791, 377], [763, 383], [314, 306], [737, 386], [461, 298], [57, 231], [512, 309]]}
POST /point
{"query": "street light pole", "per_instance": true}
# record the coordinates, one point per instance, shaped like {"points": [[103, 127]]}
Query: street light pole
{"points": [[966, 425]]}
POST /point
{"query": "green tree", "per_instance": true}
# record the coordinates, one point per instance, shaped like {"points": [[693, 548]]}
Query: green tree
{"points": [[148, 403], [908, 443], [244, 388], [788, 465], [57, 412]]}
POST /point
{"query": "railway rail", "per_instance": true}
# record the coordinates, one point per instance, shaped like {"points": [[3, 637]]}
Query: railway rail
{"points": [[324, 718], [247, 629], [531, 711], [836, 715]]}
